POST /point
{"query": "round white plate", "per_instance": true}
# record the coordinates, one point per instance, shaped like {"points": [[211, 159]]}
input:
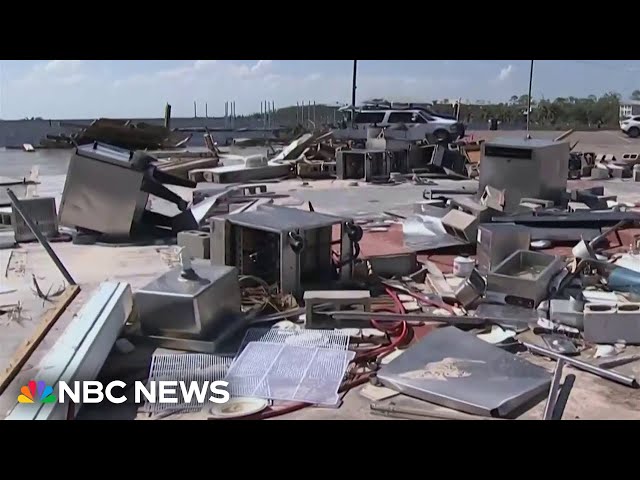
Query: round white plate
{"points": [[239, 407]]}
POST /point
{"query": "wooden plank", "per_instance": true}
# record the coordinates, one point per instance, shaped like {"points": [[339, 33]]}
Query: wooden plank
{"points": [[48, 320]]}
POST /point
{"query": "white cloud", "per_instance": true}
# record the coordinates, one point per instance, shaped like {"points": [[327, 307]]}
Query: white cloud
{"points": [[505, 73], [76, 89], [60, 66], [62, 72]]}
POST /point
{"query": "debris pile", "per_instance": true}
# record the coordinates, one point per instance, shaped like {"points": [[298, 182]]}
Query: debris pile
{"points": [[295, 308], [120, 133]]}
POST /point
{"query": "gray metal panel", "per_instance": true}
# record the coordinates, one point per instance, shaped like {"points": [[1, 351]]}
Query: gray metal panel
{"points": [[182, 308], [107, 153], [101, 196], [43, 213], [220, 233], [277, 219], [458, 370], [543, 176], [497, 241]]}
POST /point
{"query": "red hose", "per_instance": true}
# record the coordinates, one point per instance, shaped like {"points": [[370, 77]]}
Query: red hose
{"points": [[399, 329]]}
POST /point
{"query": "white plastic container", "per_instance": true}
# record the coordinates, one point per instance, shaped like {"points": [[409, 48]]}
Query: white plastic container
{"points": [[463, 266]]}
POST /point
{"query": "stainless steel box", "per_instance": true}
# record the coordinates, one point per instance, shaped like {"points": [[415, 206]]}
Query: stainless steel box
{"points": [[362, 164], [197, 308], [523, 278], [288, 247], [43, 213], [102, 196], [531, 168], [497, 241]]}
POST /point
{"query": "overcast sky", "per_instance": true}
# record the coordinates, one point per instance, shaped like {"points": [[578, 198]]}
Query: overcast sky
{"points": [[140, 88]]}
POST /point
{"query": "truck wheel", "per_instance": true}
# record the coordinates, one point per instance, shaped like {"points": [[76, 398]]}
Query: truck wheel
{"points": [[442, 136], [634, 132]]}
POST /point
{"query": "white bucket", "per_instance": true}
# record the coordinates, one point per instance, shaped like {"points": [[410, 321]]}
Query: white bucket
{"points": [[463, 266]]}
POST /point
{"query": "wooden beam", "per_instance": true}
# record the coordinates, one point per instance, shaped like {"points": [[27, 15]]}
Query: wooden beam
{"points": [[48, 320]]}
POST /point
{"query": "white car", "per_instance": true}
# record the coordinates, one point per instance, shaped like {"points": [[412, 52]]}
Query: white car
{"points": [[631, 126]]}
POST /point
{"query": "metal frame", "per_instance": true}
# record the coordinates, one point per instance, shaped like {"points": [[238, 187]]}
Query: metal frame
{"points": [[227, 231], [368, 158]]}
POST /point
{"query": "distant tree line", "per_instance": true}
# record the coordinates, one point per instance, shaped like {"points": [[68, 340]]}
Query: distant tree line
{"points": [[591, 112], [569, 112]]}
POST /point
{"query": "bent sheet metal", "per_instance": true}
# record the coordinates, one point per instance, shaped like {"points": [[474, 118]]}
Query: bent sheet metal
{"points": [[457, 370]]}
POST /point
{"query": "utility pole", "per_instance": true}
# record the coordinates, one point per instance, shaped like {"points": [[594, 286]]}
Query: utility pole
{"points": [[353, 91], [529, 99]]}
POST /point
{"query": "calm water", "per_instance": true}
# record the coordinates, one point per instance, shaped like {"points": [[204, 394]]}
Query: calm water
{"points": [[17, 164], [54, 162]]}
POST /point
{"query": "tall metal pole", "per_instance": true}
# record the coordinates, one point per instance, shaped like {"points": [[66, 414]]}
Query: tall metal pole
{"points": [[353, 87], [529, 98], [353, 91]]}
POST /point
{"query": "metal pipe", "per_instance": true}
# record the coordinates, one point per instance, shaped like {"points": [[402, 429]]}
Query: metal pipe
{"points": [[41, 238], [399, 317], [584, 366], [553, 391], [616, 362], [563, 397], [393, 410], [529, 99]]}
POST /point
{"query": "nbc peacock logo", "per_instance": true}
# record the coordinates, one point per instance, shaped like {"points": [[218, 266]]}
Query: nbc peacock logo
{"points": [[36, 392]]}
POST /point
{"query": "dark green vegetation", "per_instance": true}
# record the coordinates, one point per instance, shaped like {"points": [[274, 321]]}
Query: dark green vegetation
{"points": [[591, 112]]}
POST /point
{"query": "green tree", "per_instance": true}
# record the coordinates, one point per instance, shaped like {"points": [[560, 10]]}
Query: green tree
{"points": [[635, 95]]}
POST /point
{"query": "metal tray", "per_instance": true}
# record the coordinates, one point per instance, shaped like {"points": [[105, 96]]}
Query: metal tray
{"points": [[456, 369]]}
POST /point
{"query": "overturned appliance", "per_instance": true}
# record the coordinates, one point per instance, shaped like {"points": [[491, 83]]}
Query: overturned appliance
{"points": [[107, 190], [195, 301], [286, 246]]}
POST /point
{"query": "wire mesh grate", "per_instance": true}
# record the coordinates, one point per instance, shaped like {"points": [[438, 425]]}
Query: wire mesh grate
{"points": [[186, 368], [290, 372], [332, 339]]}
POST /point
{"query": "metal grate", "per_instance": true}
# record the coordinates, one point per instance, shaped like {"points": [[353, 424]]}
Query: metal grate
{"points": [[284, 371], [332, 339], [186, 367]]}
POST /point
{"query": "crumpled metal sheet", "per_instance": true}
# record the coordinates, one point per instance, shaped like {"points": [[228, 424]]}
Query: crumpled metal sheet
{"points": [[425, 232]]}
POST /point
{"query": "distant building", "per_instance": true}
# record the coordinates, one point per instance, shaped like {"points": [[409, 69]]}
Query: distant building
{"points": [[629, 107]]}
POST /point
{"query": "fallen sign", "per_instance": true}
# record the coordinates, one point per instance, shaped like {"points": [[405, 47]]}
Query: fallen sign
{"points": [[82, 349], [47, 321]]}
